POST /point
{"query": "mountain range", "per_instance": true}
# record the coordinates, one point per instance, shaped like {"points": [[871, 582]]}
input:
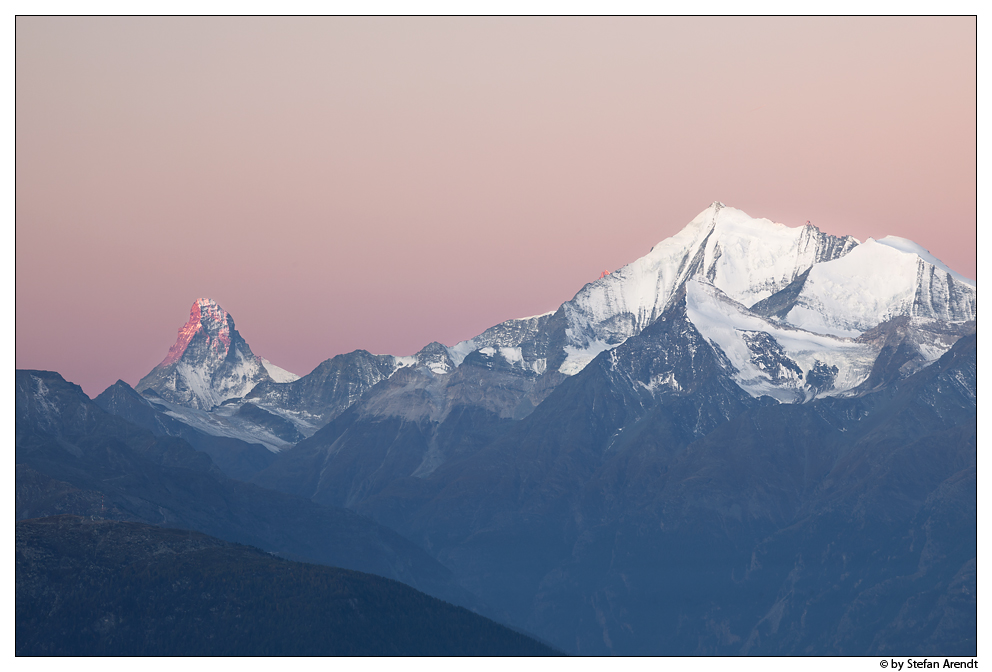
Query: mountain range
{"points": [[755, 439]]}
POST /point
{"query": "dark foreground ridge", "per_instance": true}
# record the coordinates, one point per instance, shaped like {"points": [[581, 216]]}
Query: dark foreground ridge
{"points": [[109, 588]]}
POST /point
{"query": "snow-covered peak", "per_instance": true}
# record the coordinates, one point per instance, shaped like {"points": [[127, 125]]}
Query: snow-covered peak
{"points": [[436, 358], [878, 281], [209, 362], [278, 374], [909, 247], [205, 315], [748, 259]]}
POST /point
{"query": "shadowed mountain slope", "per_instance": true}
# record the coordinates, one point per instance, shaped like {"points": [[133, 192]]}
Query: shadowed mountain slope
{"points": [[688, 517], [69, 451], [236, 458], [109, 588]]}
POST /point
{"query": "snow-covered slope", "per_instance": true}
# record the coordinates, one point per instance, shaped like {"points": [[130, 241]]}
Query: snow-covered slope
{"points": [[278, 374], [908, 246], [523, 342], [772, 359]]}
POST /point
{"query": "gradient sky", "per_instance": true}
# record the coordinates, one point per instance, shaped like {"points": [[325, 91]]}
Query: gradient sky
{"points": [[381, 183]]}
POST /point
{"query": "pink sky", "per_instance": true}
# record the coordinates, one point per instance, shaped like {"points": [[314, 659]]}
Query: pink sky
{"points": [[346, 183]]}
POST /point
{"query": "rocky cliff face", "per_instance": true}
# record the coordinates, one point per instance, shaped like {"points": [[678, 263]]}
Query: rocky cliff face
{"points": [[323, 394]]}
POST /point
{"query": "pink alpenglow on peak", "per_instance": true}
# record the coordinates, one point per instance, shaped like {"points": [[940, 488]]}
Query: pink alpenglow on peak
{"points": [[202, 308]]}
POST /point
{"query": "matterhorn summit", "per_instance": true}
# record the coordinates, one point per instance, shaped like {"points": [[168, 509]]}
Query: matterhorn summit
{"points": [[209, 363]]}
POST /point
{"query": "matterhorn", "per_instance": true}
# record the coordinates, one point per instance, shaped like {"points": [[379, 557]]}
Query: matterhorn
{"points": [[209, 363]]}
